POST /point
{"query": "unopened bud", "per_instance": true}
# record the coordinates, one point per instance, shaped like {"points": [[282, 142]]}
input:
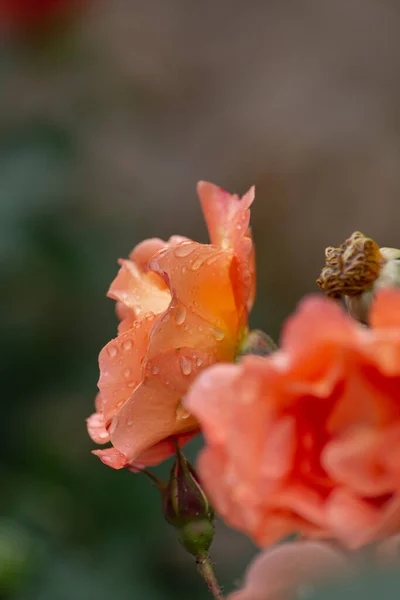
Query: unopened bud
{"points": [[186, 507], [257, 343]]}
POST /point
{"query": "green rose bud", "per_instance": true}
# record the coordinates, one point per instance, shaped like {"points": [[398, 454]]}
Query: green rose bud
{"points": [[187, 508]]}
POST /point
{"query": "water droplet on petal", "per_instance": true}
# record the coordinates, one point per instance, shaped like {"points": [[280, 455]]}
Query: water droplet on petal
{"points": [[127, 372], [180, 315], [186, 327], [149, 315], [184, 270], [181, 412], [131, 384], [129, 422], [184, 249], [127, 345], [114, 425], [213, 258], [186, 365], [197, 263], [112, 351], [199, 362], [166, 382], [218, 334], [155, 370], [103, 435], [136, 324]]}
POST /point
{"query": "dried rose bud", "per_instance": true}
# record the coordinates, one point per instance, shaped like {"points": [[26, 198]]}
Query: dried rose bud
{"points": [[187, 508], [352, 268], [356, 271], [257, 343]]}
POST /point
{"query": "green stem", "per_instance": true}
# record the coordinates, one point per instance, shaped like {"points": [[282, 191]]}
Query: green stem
{"points": [[206, 570], [157, 482]]}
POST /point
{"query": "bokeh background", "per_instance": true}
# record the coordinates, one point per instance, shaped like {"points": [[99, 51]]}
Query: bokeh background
{"points": [[110, 111]]}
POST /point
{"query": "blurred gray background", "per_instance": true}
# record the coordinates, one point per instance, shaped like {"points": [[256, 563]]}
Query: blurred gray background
{"points": [[109, 114]]}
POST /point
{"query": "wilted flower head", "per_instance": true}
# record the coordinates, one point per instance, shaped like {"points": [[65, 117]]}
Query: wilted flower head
{"points": [[308, 439], [357, 270], [183, 306]]}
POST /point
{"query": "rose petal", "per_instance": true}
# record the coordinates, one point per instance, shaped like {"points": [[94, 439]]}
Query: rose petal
{"points": [[227, 216], [139, 292], [120, 364], [199, 276], [357, 459], [276, 573], [96, 429], [385, 311], [112, 458]]}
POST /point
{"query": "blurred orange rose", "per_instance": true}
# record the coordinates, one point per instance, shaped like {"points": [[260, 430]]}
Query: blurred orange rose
{"points": [[277, 573], [183, 306], [308, 439]]}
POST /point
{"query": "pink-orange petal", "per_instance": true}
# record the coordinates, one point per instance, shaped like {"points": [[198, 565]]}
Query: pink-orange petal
{"points": [[163, 450], [139, 292], [350, 519], [277, 572], [199, 276], [112, 458], [151, 415], [357, 459], [320, 321], [120, 364], [385, 311], [209, 400], [143, 252], [96, 428], [227, 216]]}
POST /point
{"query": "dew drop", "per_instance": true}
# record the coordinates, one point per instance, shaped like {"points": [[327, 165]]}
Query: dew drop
{"points": [[127, 372], [197, 263], [213, 258], [120, 402], [199, 362], [184, 270], [166, 382], [149, 315], [181, 413], [103, 435], [114, 425], [129, 422], [131, 384], [186, 327], [112, 351], [180, 315], [218, 334], [186, 365], [184, 249], [127, 345], [155, 370], [136, 324]]}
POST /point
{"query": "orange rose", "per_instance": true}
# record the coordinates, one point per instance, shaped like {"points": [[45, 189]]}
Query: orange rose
{"points": [[277, 573], [308, 439], [183, 306]]}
